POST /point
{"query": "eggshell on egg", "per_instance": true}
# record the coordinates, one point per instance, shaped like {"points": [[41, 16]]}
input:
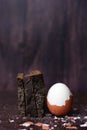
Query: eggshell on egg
{"points": [[59, 99]]}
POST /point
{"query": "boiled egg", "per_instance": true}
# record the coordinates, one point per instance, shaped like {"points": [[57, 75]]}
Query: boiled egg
{"points": [[59, 99]]}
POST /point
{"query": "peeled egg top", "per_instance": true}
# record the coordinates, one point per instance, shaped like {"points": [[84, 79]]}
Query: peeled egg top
{"points": [[58, 91]]}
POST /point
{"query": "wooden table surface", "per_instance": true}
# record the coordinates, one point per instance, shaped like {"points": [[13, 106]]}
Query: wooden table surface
{"points": [[10, 120]]}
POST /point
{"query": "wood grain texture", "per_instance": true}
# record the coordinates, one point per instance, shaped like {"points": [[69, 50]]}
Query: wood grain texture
{"points": [[31, 94], [46, 35]]}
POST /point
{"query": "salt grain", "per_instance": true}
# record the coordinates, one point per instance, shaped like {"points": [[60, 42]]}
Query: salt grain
{"points": [[55, 118], [78, 117], [52, 128], [17, 118], [11, 120], [55, 125], [26, 124], [84, 125], [85, 117]]}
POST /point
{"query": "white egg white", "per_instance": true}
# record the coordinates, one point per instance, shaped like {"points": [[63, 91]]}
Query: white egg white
{"points": [[58, 94]]}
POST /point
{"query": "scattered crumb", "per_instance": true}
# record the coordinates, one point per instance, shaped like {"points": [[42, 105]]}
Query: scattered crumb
{"points": [[45, 127], [31, 128], [72, 127], [38, 124]]}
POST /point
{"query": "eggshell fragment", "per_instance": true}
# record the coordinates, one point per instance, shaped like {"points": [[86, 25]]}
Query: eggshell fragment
{"points": [[59, 99], [26, 124]]}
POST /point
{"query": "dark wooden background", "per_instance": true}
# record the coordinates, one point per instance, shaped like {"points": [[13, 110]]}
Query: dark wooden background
{"points": [[49, 35]]}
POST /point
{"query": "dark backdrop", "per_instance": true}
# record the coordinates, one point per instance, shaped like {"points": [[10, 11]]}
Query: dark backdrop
{"points": [[49, 35]]}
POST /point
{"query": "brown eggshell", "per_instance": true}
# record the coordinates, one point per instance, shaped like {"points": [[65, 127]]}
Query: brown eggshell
{"points": [[60, 110]]}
